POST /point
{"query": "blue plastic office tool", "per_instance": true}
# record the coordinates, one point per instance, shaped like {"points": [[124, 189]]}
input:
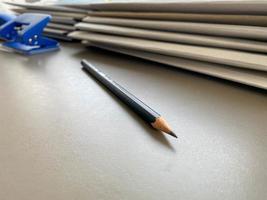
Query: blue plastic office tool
{"points": [[24, 34], [5, 18]]}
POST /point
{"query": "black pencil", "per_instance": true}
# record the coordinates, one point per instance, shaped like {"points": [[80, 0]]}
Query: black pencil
{"points": [[143, 110]]}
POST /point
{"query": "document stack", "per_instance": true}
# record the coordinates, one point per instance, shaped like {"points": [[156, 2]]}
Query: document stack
{"points": [[224, 39], [63, 18]]}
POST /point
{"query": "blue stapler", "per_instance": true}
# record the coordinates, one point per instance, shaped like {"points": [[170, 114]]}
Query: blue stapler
{"points": [[24, 34], [5, 18]]}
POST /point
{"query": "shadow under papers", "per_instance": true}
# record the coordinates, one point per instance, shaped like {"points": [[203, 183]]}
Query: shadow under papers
{"points": [[219, 81]]}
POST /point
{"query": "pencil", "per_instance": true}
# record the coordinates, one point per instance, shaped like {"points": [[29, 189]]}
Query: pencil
{"points": [[143, 110]]}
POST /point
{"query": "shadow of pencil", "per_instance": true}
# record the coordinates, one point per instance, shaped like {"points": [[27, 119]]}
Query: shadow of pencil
{"points": [[156, 135]]}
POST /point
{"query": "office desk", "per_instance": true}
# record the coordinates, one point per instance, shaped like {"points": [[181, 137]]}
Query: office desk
{"points": [[64, 137]]}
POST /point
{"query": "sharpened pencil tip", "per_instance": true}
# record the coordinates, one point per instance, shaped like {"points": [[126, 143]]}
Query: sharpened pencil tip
{"points": [[172, 134]]}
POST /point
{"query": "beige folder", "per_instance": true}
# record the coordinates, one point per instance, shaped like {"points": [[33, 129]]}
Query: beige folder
{"points": [[254, 20], [193, 6], [212, 41], [45, 7], [78, 16], [250, 32], [215, 55], [58, 36], [55, 31], [63, 20], [244, 76], [55, 18], [61, 26]]}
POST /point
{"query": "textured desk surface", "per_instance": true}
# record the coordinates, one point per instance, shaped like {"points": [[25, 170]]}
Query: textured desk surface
{"points": [[64, 137]]}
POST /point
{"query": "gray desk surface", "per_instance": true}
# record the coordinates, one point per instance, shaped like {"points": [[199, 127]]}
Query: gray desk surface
{"points": [[64, 137]]}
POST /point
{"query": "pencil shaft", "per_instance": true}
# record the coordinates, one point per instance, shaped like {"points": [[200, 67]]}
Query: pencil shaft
{"points": [[143, 110]]}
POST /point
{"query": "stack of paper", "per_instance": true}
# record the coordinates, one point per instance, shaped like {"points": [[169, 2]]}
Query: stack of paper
{"points": [[63, 18], [221, 38]]}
